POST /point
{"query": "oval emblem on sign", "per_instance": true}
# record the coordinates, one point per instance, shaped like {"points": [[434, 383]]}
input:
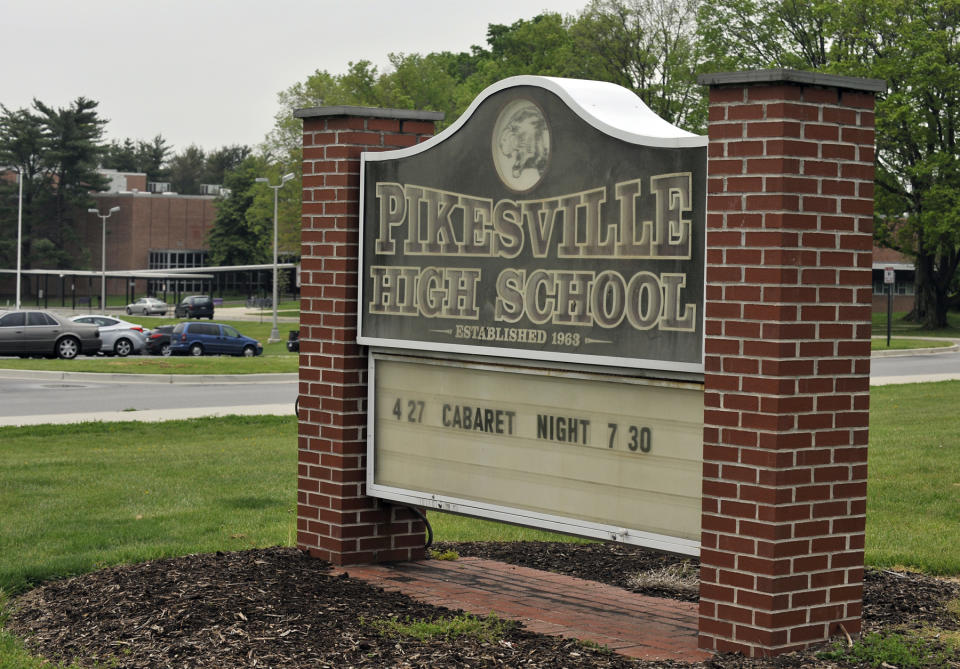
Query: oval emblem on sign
{"points": [[521, 145]]}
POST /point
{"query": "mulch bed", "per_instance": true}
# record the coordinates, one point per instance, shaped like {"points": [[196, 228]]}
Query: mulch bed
{"points": [[277, 608]]}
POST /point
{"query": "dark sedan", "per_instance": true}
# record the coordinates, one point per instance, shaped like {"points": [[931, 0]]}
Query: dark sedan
{"points": [[158, 341], [27, 333]]}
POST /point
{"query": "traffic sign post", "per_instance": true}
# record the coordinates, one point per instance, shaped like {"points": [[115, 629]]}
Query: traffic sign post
{"points": [[889, 278]]}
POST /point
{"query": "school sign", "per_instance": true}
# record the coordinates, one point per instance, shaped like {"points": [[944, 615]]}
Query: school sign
{"points": [[546, 252], [558, 220], [511, 319]]}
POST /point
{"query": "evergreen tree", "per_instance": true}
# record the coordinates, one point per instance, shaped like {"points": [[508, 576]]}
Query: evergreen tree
{"points": [[72, 150], [58, 152], [186, 170], [121, 156], [138, 156], [21, 147], [152, 158]]}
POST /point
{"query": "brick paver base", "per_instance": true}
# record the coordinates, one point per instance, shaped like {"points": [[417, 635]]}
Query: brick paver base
{"points": [[636, 625]]}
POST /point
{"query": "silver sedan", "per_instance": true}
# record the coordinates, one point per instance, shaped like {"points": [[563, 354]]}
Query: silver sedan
{"points": [[120, 338], [148, 306]]}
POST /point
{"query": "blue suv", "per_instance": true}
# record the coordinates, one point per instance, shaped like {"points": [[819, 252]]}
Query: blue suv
{"points": [[212, 339]]}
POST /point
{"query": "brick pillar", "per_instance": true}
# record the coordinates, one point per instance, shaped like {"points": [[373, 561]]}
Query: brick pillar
{"points": [[787, 362], [336, 521]]}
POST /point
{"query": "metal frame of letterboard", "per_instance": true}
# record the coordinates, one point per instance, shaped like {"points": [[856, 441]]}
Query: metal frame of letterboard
{"points": [[649, 481]]}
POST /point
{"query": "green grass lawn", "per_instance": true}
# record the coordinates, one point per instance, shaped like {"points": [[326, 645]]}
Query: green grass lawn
{"points": [[80, 497], [901, 328], [913, 494], [450, 527], [901, 344]]}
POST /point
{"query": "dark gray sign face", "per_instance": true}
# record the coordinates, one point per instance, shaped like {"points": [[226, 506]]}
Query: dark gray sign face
{"points": [[530, 233]]}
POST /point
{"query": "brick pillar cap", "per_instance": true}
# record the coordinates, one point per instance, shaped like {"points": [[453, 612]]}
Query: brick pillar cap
{"points": [[369, 112], [780, 76]]}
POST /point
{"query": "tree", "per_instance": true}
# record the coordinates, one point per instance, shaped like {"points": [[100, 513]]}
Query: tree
{"points": [[58, 151], [72, 150], [912, 45], [542, 45], [152, 158], [417, 82], [21, 147], [239, 232], [186, 170], [121, 156], [138, 156], [916, 49], [222, 160], [650, 47], [792, 34], [321, 88]]}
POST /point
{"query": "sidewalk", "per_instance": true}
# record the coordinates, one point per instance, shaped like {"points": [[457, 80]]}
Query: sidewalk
{"points": [[148, 415], [650, 628]]}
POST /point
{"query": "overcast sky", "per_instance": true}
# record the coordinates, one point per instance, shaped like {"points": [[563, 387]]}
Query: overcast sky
{"points": [[207, 72]]}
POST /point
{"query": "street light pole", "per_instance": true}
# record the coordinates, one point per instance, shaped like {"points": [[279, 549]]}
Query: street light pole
{"points": [[19, 233], [103, 255], [274, 332]]}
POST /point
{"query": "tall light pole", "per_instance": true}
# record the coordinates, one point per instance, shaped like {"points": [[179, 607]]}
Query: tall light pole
{"points": [[275, 333], [19, 233], [103, 255]]}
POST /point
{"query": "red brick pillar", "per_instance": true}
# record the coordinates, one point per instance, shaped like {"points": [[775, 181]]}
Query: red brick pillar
{"points": [[336, 521], [787, 362]]}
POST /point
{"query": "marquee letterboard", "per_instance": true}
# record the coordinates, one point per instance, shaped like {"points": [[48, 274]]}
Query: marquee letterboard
{"points": [[595, 455]]}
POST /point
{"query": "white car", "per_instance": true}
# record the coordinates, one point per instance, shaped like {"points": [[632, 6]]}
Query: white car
{"points": [[147, 306], [118, 337]]}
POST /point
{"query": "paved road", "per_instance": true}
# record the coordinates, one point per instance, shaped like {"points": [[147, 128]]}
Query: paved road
{"points": [[915, 367], [31, 397], [34, 397]]}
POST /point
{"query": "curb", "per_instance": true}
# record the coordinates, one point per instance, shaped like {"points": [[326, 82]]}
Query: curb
{"points": [[918, 351], [915, 351], [192, 379]]}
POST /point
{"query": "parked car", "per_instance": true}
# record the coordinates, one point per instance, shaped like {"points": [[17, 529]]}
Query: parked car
{"points": [[195, 306], [293, 341], [212, 339], [117, 337], [158, 341], [148, 306], [27, 333]]}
